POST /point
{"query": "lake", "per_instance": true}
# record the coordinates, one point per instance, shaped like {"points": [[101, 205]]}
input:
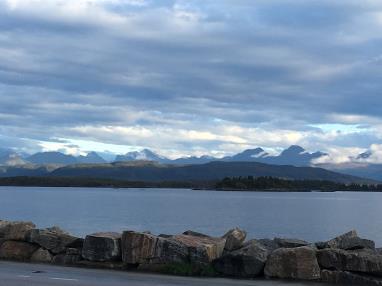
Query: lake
{"points": [[311, 216]]}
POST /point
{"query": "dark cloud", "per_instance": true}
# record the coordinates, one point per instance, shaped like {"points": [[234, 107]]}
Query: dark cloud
{"points": [[128, 72]]}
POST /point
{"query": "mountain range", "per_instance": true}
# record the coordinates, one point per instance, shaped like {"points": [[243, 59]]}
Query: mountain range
{"points": [[297, 156], [12, 158], [294, 155], [217, 170]]}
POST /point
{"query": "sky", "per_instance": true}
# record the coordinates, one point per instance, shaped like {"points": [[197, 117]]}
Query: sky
{"points": [[191, 77]]}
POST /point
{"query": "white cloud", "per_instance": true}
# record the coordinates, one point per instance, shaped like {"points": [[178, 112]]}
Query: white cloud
{"points": [[338, 155], [192, 77], [70, 11]]}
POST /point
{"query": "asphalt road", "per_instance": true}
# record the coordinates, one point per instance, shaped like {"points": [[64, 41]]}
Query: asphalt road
{"points": [[20, 274]]}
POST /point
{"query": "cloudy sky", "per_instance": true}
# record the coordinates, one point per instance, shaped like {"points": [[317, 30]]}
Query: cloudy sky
{"points": [[191, 77]]}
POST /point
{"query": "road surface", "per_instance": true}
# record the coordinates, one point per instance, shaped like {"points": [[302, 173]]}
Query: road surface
{"points": [[21, 274]]}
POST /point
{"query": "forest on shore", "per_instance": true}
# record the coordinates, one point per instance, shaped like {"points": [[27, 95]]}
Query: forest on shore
{"points": [[247, 183], [251, 183]]}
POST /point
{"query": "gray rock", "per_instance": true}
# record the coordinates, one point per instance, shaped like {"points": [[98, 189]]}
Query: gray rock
{"points": [[57, 229], [321, 245], [347, 241], [102, 247], [66, 259], [270, 244], [247, 262], [194, 233], [165, 235], [234, 239], [293, 263], [42, 255], [72, 256], [201, 249], [356, 261], [348, 278], [290, 242], [73, 251], [17, 230], [17, 250], [143, 248], [54, 239]]}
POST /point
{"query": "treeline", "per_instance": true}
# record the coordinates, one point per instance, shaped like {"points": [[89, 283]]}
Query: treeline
{"points": [[251, 183], [24, 181]]}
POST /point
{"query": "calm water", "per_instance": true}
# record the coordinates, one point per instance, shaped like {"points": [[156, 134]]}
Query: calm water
{"points": [[310, 216]]}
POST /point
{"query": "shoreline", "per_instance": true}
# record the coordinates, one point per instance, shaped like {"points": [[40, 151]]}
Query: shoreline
{"points": [[83, 182], [192, 189]]}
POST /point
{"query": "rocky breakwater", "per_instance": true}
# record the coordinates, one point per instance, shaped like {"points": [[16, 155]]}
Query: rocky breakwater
{"points": [[346, 259]]}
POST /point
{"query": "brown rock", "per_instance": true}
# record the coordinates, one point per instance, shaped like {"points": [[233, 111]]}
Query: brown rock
{"points": [[17, 230], [17, 250], [54, 239], [293, 263], [234, 239], [144, 248], [202, 249], [42, 255]]}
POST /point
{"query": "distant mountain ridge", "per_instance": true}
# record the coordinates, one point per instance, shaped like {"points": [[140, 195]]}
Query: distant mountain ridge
{"points": [[145, 154], [294, 155], [11, 158], [217, 170], [42, 158]]}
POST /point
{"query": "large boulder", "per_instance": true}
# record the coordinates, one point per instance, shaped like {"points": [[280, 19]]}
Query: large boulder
{"points": [[105, 246], [234, 239], [54, 239], [347, 241], [16, 230], [348, 278], [42, 255], [72, 256], [356, 261], [201, 249], [145, 248], [246, 262], [293, 263], [17, 250]]}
